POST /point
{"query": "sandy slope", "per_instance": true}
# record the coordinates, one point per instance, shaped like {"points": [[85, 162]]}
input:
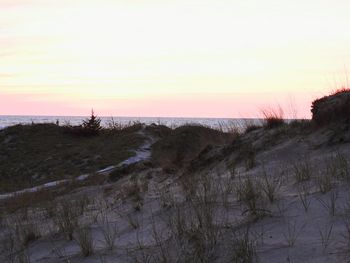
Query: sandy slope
{"points": [[158, 216]]}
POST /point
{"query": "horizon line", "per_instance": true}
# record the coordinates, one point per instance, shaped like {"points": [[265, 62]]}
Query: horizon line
{"points": [[154, 117]]}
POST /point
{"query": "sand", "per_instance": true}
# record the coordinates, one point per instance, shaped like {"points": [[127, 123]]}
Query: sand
{"points": [[157, 216]]}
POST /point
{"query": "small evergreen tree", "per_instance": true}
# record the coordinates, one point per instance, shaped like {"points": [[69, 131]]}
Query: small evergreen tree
{"points": [[92, 126]]}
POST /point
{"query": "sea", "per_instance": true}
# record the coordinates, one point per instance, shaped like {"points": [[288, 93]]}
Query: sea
{"points": [[224, 124]]}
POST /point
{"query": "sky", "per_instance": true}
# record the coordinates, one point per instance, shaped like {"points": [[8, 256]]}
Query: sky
{"points": [[183, 58]]}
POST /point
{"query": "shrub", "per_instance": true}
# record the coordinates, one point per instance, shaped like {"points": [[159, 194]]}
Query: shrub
{"points": [[332, 108]]}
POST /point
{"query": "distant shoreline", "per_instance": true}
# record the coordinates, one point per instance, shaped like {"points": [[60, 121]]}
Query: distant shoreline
{"points": [[10, 120]]}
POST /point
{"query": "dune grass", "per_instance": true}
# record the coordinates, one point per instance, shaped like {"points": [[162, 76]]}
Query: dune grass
{"points": [[38, 153], [273, 117]]}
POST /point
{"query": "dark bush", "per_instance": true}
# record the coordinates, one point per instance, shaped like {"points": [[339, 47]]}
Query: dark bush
{"points": [[332, 108]]}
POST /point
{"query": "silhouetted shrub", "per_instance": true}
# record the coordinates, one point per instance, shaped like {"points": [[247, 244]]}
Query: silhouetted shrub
{"points": [[90, 127], [332, 108]]}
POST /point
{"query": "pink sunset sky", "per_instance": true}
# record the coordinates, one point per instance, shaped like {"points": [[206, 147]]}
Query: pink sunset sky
{"points": [[170, 58]]}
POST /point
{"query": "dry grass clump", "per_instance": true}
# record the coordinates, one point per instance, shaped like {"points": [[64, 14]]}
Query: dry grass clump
{"points": [[195, 234], [243, 248], [339, 167], [84, 238], [293, 232], [133, 191], [270, 186], [193, 224], [18, 231], [66, 217], [110, 233], [302, 170], [113, 126], [250, 193], [324, 181], [26, 232], [273, 117], [231, 127]]}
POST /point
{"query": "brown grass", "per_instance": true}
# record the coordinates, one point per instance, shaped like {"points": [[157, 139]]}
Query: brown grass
{"points": [[66, 218], [85, 241], [273, 117]]}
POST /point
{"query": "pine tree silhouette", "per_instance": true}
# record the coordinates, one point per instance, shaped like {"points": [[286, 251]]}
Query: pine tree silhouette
{"points": [[92, 125]]}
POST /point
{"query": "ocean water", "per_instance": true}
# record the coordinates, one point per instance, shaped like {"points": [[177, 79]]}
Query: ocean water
{"points": [[216, 123]]}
